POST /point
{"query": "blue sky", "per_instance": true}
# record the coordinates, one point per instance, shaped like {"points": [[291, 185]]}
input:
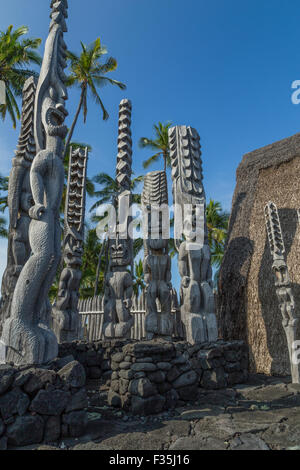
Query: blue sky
{"points": [[223, 67]]}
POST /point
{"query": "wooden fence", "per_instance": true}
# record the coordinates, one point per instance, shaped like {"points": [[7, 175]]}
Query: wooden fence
{"points": [[92, 314]]}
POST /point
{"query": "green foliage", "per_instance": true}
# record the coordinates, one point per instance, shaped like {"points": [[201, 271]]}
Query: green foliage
{"points": [[92, 247], [3, 192], [138, 245], [88, 73], [3, 229], [138, 277], [54, 288], [15, 54], [160, 144], [217, 224], [107, 194], [109, 190]]}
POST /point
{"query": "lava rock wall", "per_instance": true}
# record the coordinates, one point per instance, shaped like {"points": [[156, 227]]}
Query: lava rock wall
{"points": [[42, 404], [151, 376]]}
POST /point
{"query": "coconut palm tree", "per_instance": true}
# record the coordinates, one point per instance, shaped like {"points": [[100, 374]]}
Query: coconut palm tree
{"points": [[88, 73], [217, 225], [109, 190], [108, 194], [138, 277], [160, 144], [15, 54]]}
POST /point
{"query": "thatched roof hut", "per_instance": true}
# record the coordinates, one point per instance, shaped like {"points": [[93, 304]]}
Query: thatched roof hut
{"points": [[247, 304]]}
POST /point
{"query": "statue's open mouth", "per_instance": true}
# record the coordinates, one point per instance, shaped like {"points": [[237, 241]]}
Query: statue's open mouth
{"points": [[55, 119]]}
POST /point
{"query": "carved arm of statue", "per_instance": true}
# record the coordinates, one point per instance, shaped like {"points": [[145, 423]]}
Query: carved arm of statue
{"points": [[63, 289], [128, 291], [14, 192], [183, 265], [38, 169]]}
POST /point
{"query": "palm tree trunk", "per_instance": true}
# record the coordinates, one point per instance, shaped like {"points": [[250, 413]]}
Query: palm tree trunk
{"points": [[74, 122], [165, 162]]}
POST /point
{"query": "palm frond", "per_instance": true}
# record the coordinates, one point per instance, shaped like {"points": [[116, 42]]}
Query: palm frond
{"points": [[98, 100], [104, 178], [88, 73], [151, 160], [15, 54], [101, 81], [144, 142], [160, 142]]}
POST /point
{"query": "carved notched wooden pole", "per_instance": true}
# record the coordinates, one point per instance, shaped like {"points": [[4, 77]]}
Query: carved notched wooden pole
{"points": [[197, 299], [157, 262], [66, 319], [283, 286], [27, 337], [118, 320], [19, 201]]}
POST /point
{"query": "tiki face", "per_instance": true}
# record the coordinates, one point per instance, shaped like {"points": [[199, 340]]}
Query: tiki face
{"points": [[51, 90], [54, 112], [155, 238], [119, 252], [280, 271], [158, 245], [73, 253], [190, 227], [73, 259]]}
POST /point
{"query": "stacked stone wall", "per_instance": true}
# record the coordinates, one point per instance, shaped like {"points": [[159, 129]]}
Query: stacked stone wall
{"points": [[42, 404], [147, 377]]}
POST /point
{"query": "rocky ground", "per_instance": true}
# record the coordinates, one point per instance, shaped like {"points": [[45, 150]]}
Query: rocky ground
{"points": [[263, 414]]}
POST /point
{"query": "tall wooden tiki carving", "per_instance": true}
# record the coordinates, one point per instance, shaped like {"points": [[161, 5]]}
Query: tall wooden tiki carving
{"points": [[27, 337], [66, 319]]}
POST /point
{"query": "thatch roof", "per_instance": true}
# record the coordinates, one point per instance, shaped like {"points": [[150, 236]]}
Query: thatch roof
{"points": [[247, 304]]}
